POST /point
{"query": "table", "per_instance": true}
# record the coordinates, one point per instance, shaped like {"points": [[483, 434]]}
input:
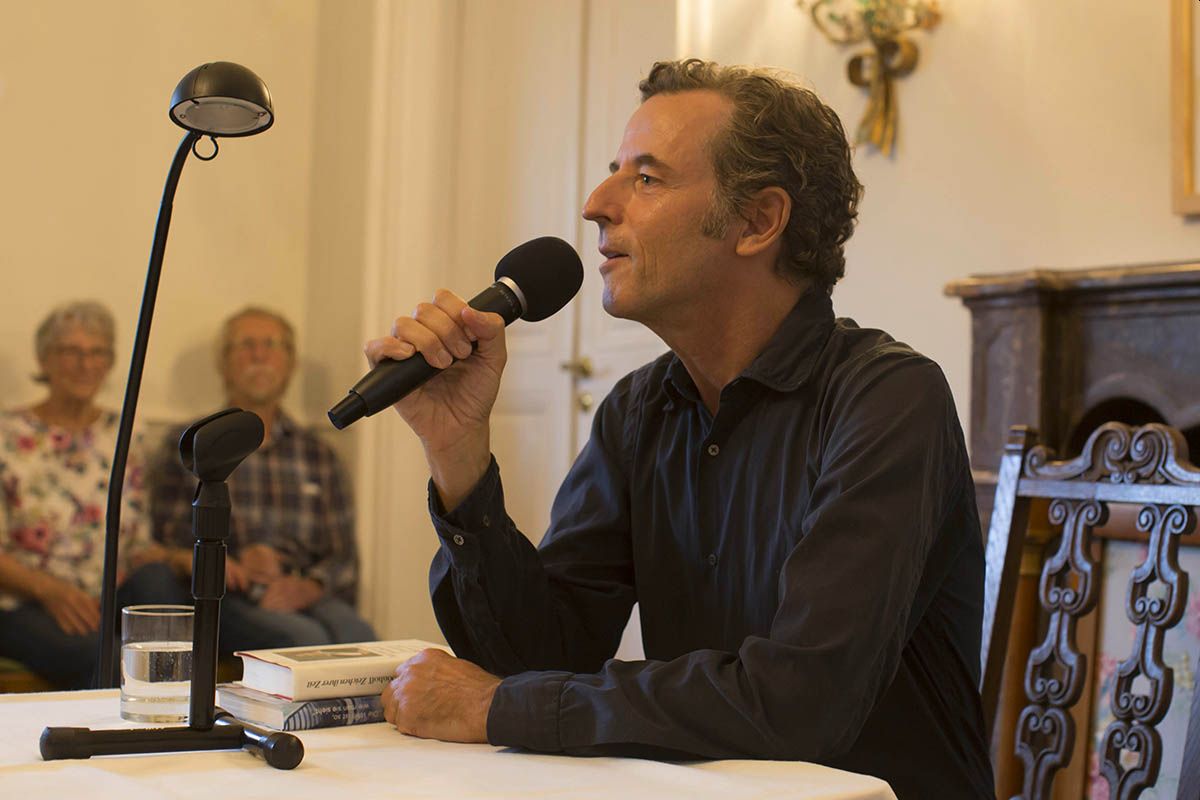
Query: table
{"points": [[374, 761]]}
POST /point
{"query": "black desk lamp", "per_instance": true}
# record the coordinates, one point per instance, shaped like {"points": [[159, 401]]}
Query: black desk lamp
{"points": [[213, 100], [217, 99]]}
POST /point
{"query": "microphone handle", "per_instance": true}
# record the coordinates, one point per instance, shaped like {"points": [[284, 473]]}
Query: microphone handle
{"points": [[389, 381]]}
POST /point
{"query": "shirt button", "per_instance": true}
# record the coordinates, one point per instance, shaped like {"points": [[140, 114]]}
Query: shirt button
{"points": [[712, 559], [713, 449], [458, 539], [487, 521]]}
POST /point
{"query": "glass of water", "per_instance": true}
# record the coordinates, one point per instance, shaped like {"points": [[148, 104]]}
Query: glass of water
{"points": [[156, 663]]}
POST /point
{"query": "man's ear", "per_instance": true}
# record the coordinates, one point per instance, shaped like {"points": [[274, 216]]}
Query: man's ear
{"points": [[765, 218]]}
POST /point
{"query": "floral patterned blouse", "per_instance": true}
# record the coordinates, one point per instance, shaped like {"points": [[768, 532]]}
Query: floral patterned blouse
{"points": [[54, 487]]}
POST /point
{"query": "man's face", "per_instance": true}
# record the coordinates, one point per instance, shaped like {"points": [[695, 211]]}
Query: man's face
{"points": [[650, 211], [258, 363]]}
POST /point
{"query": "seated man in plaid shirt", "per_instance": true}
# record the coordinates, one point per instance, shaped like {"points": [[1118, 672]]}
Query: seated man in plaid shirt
{"points": [[292, 571]]}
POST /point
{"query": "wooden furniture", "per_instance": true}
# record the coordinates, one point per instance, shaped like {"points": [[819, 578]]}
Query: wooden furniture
{"points": [[1065, 350], [1120, 467], [365, 762]]}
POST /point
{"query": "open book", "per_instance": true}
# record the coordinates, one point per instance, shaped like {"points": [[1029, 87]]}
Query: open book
{"points": [[332, 670]]}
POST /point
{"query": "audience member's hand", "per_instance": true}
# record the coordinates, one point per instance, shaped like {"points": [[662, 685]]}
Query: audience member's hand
{"points": [[236, 579], [437, 696], [179, 559], [75, 611], [262, 563], [149, 554], [291, 593]]}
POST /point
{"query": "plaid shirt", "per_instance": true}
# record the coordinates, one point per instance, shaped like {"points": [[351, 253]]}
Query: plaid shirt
{"points": [[290, 494]]}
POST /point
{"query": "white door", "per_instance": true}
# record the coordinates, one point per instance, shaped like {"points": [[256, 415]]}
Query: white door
{"points": [[492, 123], [617, 60], [543, 416], [516, 178], [544, 413]]}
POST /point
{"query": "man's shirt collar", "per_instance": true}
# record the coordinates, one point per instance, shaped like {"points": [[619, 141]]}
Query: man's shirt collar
{"points": [[787, 360], [284, 427]]}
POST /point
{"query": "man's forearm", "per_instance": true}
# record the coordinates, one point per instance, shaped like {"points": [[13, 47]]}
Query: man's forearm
{"points": [[456, 470]]}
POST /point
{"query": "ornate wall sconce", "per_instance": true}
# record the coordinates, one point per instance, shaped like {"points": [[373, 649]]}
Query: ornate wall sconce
{"points": [[881, 22]]}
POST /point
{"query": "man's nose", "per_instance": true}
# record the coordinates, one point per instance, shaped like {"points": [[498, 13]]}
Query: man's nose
{"points": [[602, 205]]}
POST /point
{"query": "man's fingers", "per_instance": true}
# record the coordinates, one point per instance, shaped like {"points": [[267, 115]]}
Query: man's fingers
{"points": [[450, 304], [235, 579], [484, 325], [435, 335], [389, 703], [442, 331], [272, 598], [430, 654], [388, 347], [486, 328], [282, 595], [434, 329], [261, 561]]}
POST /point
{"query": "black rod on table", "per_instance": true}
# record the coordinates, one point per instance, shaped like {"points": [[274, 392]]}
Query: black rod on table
{"points": [[105, 675]]}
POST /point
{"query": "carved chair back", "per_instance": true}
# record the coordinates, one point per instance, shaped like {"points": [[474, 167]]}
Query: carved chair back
{"points": [[1148, 468]]}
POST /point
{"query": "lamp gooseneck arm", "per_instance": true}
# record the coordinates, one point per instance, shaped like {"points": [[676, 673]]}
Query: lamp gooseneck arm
{"points": [[108, 592]]}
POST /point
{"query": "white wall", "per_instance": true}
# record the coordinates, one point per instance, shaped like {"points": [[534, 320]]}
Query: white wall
{"points": [[85, 143], [277, 219], [1032, 134], [474, 149], [335, 233]]}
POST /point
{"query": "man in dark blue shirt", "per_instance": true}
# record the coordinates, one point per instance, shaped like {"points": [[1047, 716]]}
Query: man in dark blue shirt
{"points": [[786, 495]]}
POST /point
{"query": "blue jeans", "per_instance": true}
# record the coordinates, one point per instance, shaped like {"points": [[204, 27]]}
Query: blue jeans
{"points": [[247, 626], [30, 635]]}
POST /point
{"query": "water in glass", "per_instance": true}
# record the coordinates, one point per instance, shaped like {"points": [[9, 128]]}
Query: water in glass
{"points": [[155, 681]]}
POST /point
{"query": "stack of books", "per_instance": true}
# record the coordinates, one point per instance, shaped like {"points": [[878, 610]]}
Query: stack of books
{"points": [[298, 688]]}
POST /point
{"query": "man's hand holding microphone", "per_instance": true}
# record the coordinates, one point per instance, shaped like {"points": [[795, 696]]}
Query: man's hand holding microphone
{"points": [[450, 414], [440, 368]]}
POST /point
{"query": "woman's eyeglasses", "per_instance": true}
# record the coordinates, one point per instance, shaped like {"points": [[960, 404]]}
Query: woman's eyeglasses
{"points": [[92, 354]]}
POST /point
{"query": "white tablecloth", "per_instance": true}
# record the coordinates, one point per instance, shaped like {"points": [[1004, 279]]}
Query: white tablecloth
{"points": [[374, 761]]}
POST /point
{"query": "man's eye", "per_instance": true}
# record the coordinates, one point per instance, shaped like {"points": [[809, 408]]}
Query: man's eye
{"points": [[645, 179]]}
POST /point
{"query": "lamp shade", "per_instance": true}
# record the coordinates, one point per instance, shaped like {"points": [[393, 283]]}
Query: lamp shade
{"points": [[222, 99]]}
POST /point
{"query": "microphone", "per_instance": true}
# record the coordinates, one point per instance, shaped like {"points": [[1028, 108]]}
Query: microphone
{"points": [[533, 281]]}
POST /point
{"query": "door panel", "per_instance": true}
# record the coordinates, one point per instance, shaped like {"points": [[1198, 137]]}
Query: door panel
{"points": [[516, 178], [625, 38]]}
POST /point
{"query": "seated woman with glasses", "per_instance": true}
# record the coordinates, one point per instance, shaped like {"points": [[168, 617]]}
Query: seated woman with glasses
{"points": [[55, 459]]}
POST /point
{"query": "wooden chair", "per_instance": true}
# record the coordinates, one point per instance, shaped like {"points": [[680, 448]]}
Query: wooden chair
{"points": [[1147, 467]]}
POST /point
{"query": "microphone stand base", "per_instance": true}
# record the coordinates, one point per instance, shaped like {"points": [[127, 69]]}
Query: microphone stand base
{"points": [[280, 750]]}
